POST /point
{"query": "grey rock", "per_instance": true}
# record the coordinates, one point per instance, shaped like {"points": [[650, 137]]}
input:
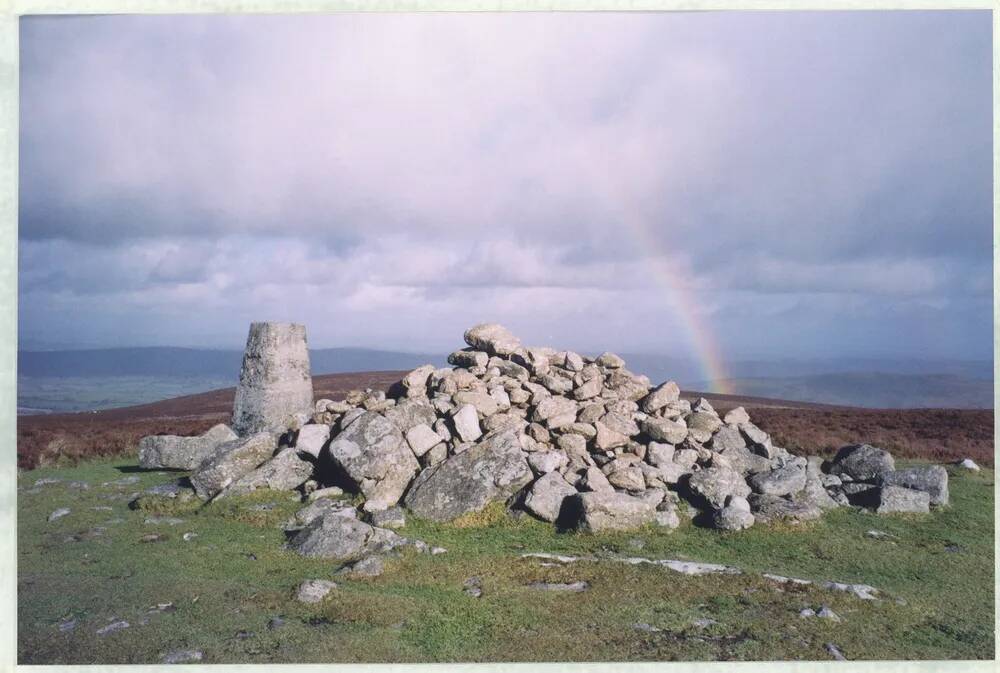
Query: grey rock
{"points": [[543, 462], [769, 508], [182, 657], [702, 425], [342, 538], [421, 439], [483, 403], [715, 484], [493, 469], [409, 413], [932, 479], [601, 511], [736, 416], [230, 461], [660, 397], [181, 453], [374, 455], [466, 423], [757, 440], [728, 437], [665, 430], [415, 383], [862, 462], [322, 507], [492, 338], [968, 464], [594, 480], [328, 492], [572, 587], [814, 492], [545, 497], [369, 566], [835, 652], [735, 515], [394, 517], [312, 438], [894, 499], [314, 591], [112, 627], [59, 513], [607, 438], [628, 478], [610, 361], [275, 382], [282, 473], [781, 481], [469, 358], [660, 454]]}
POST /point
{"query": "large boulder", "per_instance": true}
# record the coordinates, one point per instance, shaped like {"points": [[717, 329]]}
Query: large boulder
{"points": [[282, 473], [230, 461], [661, 396], [862, 462], [373, 454], [600, 511], [312, 438], [735, 515], [893, 499], [768, 508], [492, 338], [814, 493], [275, 383], [493, 469], [181, 453], [784, 480], [932, 479], [715, 484], [546, 496], [342, 538]]}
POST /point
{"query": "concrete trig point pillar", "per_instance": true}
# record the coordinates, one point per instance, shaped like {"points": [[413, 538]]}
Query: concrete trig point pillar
{"points": [[275, 382]]}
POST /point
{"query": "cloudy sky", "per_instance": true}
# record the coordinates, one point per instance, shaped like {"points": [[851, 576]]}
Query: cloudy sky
{"points": [[754, 184]]}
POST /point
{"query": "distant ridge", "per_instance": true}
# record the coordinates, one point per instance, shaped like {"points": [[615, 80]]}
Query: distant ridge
{"points": [[172, 361]]}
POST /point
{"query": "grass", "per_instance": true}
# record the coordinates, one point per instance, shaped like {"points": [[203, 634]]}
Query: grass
{"points": [[229, 582]]}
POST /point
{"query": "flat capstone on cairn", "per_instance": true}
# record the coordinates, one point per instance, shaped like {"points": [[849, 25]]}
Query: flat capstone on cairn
{"points": [[578, 441]]}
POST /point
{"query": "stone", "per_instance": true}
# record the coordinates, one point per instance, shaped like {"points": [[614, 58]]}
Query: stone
{"points": [[421, 439], [588, 389], [312, 439], [469, 358], [466, 423], [553, 407], [492, 338], [665, 430], [322, 507], [628, 478], [781, 481], [230, 461], [728, 437], [932, 479], [862, 462], [59, 513], [275, 381], [394, 517], [757, 440], [493, 469], [893, 499], [735, 515], [573, 587], [543, 462], [968, 464], [181, 453], [660, 454], [342, 538], [573, 361], [602, 511], [415, 383], [607, 438], [112, 627], [715, 484], [610, 361], [768, 508], [594, 480], [314, 591], [409, 413], [327, 492], [702, 425], [483, 403], [282, 473], [369, 566], [545, 497], [660, 397], [666, 518], [374, 455], [814, 492], [736, 416]]}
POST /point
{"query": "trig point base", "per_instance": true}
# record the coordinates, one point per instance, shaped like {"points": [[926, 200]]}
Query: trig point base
{"points": [[275, 382]]}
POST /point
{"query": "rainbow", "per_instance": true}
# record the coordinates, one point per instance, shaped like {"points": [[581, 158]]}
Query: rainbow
{"points": [[697, 332]]}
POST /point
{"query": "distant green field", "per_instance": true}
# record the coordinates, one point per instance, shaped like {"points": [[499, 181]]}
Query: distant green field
{"points": [[48, 394], [226, 585]]}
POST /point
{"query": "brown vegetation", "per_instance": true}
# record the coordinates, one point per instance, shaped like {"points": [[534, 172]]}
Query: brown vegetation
{"points": [[934, 434]]}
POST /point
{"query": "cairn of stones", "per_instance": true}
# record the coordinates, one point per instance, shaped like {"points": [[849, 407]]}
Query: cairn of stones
{"points": [[580, 442]]}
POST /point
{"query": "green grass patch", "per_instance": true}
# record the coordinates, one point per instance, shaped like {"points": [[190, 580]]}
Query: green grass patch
{"points": [[231, 583]]}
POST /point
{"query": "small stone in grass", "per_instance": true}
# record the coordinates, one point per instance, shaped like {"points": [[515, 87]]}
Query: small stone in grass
{"points": [[827, 613], [835, 652], [646, 628], [313, 591], [112, 627], [67, 625], [704, 622], [275, 623], [574, 587], [182, 657], [187, 537], [59, 513]]}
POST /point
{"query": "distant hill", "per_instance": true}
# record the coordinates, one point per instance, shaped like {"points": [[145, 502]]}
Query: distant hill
{"points": [[878, 390], [204, 363]]}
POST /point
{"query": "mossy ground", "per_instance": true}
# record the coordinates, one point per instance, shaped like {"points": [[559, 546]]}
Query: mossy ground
{"points": [[227, 583]]}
